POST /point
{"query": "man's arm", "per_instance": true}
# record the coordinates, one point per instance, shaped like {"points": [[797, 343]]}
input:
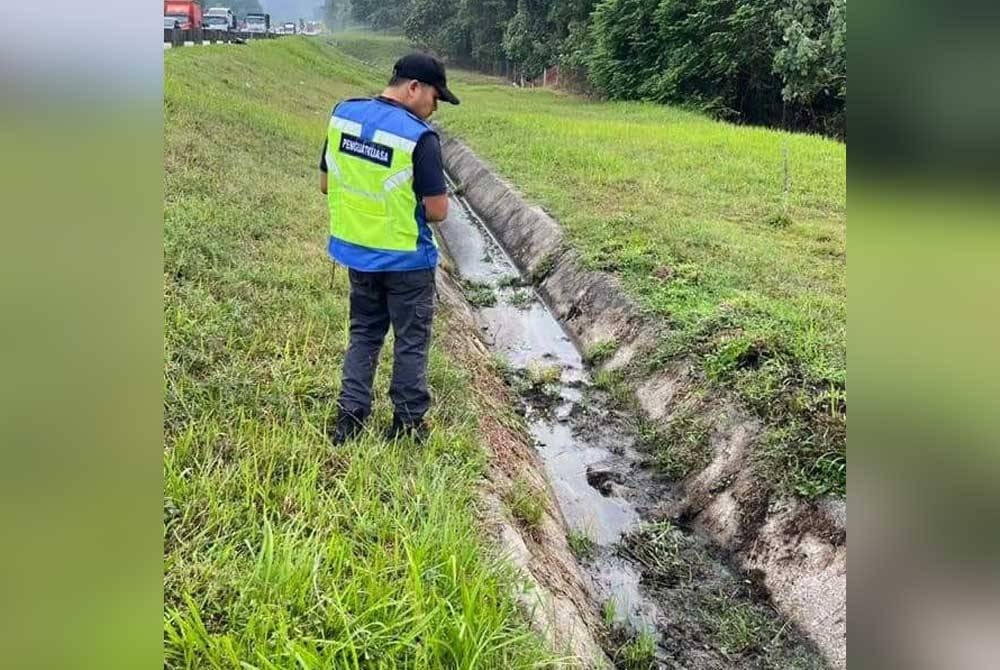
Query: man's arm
{"points": [[436, 207], [322, 182], [428, 178]]}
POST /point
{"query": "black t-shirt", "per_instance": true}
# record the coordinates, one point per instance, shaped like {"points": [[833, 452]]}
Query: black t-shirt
{"points": [[428, 167]]}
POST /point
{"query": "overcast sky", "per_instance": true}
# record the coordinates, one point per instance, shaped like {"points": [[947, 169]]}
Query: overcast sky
{"points": [[291, 10]]}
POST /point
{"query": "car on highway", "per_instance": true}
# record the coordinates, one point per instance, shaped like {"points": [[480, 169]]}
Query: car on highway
{"points": [[289, 28]]}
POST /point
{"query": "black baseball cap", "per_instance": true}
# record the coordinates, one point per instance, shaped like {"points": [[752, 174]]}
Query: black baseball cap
{"points": [[427, 69]]}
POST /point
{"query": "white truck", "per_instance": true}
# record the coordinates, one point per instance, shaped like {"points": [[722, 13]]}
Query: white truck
{"points": [[259, 23], [219, 18]]}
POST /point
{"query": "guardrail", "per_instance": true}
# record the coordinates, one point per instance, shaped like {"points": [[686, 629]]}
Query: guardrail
{"points": [[176, 37], [173, 37]]}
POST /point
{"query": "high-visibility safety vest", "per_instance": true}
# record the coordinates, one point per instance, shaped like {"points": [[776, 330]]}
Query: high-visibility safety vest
{"points": [[376, 221]]}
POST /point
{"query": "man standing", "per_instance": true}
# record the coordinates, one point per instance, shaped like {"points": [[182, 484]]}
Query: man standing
{"points": [[384, 179]]}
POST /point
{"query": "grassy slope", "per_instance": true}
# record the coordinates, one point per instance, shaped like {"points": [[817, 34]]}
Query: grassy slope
{"points": [[280, 552], [691, 214]]}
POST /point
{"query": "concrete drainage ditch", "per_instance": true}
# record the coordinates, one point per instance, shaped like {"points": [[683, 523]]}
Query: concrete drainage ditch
{"points": [[666, 597]]}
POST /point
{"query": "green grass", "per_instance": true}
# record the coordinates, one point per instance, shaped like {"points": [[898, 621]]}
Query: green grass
{"points": [[639, 653], [712, 609], [502, 367], [600, 351], [479, 294], [512, 281], [616, 385], [741, 627], [280, 551], [581, 544], [745, 631], [682, 447], [537, 381], [543, 268], [377, 50], [609, 612], [657, 548], [520, 299], [525, 505], [693, 216], [541, 374]]}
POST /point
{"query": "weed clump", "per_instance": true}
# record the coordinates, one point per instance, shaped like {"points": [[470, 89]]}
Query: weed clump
{"points": [[512, 281], [543, 269], [581, 544], [600, 351], [479, 294], [615, 384], [637, 653], [525, 505], [520, 299], [780, 221], [682, 447], [739, 628]]}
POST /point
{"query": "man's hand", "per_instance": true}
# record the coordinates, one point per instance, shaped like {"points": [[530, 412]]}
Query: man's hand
{"points": [[322, 182], [436, 207]]}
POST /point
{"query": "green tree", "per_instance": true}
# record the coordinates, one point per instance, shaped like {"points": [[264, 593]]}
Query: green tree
{"points": [[571, 18], [774, 62], [389, 15], [482, 23], [527, 38], [469, 32], [432, 24], [714, 54], [625, 52], [337, 14], [812, 61]]}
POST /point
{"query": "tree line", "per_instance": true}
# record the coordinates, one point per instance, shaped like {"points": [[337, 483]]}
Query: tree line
{"points": [[240, 7], [779, 63]]}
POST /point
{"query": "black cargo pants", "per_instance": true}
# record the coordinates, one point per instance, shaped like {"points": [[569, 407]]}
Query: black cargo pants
{"points": [[405, 300]]}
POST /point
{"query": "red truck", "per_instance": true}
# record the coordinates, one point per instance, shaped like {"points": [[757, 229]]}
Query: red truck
{"points": [[187, 14]]}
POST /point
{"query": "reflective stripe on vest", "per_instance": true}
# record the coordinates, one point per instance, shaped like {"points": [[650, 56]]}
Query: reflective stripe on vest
{"points": [[370, 188]]}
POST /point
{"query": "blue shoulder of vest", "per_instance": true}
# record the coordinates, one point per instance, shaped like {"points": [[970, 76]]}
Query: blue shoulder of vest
{"points": [[413, 117], [347, 102], [418, 127], [358, 109]]}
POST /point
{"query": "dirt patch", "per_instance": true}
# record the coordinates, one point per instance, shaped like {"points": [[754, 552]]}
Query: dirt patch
{"points": [[798, 553]]}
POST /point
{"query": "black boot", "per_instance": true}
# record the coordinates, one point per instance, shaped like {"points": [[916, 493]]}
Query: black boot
{"points": [[400, 428], [348, 425]]}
